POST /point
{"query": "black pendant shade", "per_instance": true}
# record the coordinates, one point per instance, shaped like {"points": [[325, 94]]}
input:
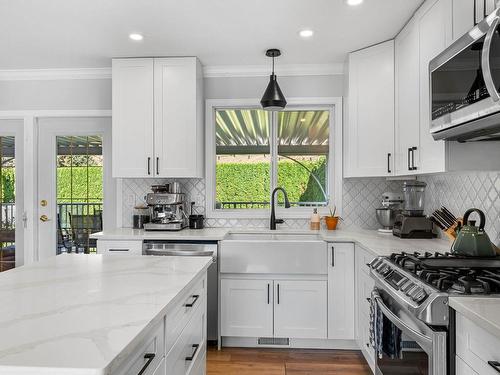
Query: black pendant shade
{"points": [[273, 98]]}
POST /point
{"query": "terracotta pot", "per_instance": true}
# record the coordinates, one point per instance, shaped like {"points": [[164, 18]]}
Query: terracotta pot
{"points": [[331, 222]]}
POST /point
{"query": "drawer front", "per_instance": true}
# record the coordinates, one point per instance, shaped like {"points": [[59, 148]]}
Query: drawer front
{"points": [[190, 346], [476, 346], [119, 247], [200, 366], [148, 354], [161, 369], [363, 257], [180, 316]]}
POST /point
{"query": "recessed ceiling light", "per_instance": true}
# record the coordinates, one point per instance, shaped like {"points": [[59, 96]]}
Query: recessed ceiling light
{"points": [[353, 2], [306, 33], [136, 37]]}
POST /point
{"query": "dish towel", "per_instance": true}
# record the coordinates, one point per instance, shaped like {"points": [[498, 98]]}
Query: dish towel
{"points": [[385, 337]]}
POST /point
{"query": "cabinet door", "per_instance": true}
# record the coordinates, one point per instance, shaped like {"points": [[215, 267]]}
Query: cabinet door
{"points": [[132, 120], [463, 17], [407, 97], [341, 291], [178, 134], [434, 36], [246, 308], [369, 132], [300, 309], [463, 368]]}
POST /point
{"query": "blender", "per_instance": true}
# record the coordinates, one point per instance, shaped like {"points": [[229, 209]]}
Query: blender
{"points": [[411, 222]]}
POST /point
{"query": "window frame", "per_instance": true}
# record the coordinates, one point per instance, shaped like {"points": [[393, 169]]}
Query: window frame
{"points": [[334, 183]]}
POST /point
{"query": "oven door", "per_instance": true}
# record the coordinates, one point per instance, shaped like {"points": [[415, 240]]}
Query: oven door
{"points": [[424, 350]]}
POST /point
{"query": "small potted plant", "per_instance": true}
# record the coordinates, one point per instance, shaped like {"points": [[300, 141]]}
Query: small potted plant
{"points": [[332, 221]]}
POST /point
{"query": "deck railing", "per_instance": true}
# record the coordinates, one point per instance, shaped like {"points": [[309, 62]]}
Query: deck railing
{"points": [[255, 205]]}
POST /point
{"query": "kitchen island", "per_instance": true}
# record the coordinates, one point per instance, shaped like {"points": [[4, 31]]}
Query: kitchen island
{"points": [[94, 314]]}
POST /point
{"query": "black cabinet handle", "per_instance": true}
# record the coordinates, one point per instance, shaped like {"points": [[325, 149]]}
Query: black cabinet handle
{"points": [[278, 294], [495, 365], [368, 299], [389, 162], [149, 165], [268, 292], [149, 357], [195, 347], [195, 298], [409, 152], [413, 167], [118, 249], [157, 165], [333, 256]]}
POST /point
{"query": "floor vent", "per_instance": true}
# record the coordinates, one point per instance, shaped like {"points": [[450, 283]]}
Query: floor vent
{"points": [[273, 341]]}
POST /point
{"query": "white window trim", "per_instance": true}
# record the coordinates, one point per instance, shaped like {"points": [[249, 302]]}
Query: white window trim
{"points": [[334, 162]]}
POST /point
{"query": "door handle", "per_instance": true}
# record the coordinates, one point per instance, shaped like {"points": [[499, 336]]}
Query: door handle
{"points": [[157, 165], [389, 162], [149, 357], [409, 152], [195, 347], [278, 294], [149, 165], [413, 167], [195, 298], [44, 218], [495, 365], [333, 256], [268, 292]]}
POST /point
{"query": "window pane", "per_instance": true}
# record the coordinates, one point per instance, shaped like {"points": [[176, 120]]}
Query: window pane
{"points": [[243, 161], [303, 146], [79, 192], [7, 203]]}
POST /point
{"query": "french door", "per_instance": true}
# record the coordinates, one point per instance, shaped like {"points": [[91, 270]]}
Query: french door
{"points": [[11, 194], [74, 182]]}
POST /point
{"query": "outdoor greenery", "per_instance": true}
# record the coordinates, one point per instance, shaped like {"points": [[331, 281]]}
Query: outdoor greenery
{"points": [[78, 189], [8, 185], [240, 182]]}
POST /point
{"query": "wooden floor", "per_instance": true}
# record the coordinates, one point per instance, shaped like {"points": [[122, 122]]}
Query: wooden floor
{"points": [[241, 361]]}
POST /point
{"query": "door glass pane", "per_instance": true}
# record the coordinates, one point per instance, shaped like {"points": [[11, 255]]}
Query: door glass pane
{"points": [[459, 82], [243, 161], [303, 148], [79, 192], [8, 203]]}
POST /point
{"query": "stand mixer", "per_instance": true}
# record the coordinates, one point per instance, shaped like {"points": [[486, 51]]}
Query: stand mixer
{"points": [[391, 206]]}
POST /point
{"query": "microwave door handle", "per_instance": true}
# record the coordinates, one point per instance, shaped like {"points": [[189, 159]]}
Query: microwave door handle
{"points": [[485, 61], [424, 341]]}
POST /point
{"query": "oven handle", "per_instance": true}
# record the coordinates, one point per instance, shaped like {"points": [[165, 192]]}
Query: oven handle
{"points": [[422, 340], [485, 60]]}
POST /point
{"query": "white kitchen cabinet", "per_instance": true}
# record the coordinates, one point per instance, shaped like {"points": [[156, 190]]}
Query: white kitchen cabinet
{"points": [[119, 247], [369, 132], [178, 117], [341, 291], [462, 368], [300, 309], [467, 13], [435, 34], [246, 307], [157, 117], [407, 97], [132, 101]]}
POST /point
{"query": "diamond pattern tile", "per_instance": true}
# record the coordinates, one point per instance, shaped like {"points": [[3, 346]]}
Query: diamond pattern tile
{"points": [[361, 196]]}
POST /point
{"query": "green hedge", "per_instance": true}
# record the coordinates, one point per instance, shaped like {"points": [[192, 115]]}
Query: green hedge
{"points": [[79, 177], [238, 182]]}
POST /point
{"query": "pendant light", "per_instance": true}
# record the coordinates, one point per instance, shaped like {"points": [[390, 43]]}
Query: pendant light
{"points": [[273, 99]]}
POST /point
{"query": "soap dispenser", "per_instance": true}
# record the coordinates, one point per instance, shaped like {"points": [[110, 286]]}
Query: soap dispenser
{"points": [[315, 220]]}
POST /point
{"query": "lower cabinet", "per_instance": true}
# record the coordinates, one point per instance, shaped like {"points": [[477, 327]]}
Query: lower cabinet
{"points": [[462, 368], [341, 291], [119, 247], [274, 308], [246, 308], [300, 309]]}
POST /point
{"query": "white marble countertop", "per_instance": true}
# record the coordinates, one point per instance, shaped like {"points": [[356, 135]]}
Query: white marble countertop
{"points": [[74, 314], [484, 311], [372, 240]]}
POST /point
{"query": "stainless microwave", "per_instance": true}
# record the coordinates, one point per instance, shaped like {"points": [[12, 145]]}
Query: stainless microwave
{"points": [[465, 85]]}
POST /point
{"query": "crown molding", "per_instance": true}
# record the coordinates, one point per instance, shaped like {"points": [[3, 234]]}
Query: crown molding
{"points": [[265, 70], [54, 74], [213, 71]]}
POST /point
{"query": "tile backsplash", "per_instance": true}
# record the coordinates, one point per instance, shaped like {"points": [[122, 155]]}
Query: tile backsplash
{"points": [[457, 191]]}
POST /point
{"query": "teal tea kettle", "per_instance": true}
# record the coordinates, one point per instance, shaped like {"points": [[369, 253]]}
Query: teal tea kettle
{"points": [[473, 241]]}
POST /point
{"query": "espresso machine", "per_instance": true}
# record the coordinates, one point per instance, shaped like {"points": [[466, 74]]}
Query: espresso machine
{"points": [[167, 210], [411, 222]]}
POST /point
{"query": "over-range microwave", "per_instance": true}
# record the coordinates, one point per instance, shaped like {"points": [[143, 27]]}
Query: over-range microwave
{"points": [[465, 85]]}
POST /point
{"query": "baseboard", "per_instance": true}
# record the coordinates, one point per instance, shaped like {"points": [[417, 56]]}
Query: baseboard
{"points": [[252, 342]]}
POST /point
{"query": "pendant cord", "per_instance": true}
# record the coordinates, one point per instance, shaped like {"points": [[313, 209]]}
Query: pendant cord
{"points": [[273, 65]]}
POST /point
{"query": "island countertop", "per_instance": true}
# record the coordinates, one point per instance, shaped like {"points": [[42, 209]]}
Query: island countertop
{"points": [[75, 314]]}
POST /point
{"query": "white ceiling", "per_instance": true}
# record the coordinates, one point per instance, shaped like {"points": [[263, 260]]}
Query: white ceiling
{"points": [[87, 33]]}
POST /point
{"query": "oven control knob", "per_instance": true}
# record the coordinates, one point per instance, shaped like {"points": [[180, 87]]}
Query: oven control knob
{"points": [[420, 297]]}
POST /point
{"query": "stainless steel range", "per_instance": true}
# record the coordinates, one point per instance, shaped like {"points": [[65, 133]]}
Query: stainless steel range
{"points": [[412, 290]]}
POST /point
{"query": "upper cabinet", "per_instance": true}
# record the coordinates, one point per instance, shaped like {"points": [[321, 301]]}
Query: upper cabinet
{"points": [[466, 13], [435, 34], [158, 117], [407, 98], [369, 134]]}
